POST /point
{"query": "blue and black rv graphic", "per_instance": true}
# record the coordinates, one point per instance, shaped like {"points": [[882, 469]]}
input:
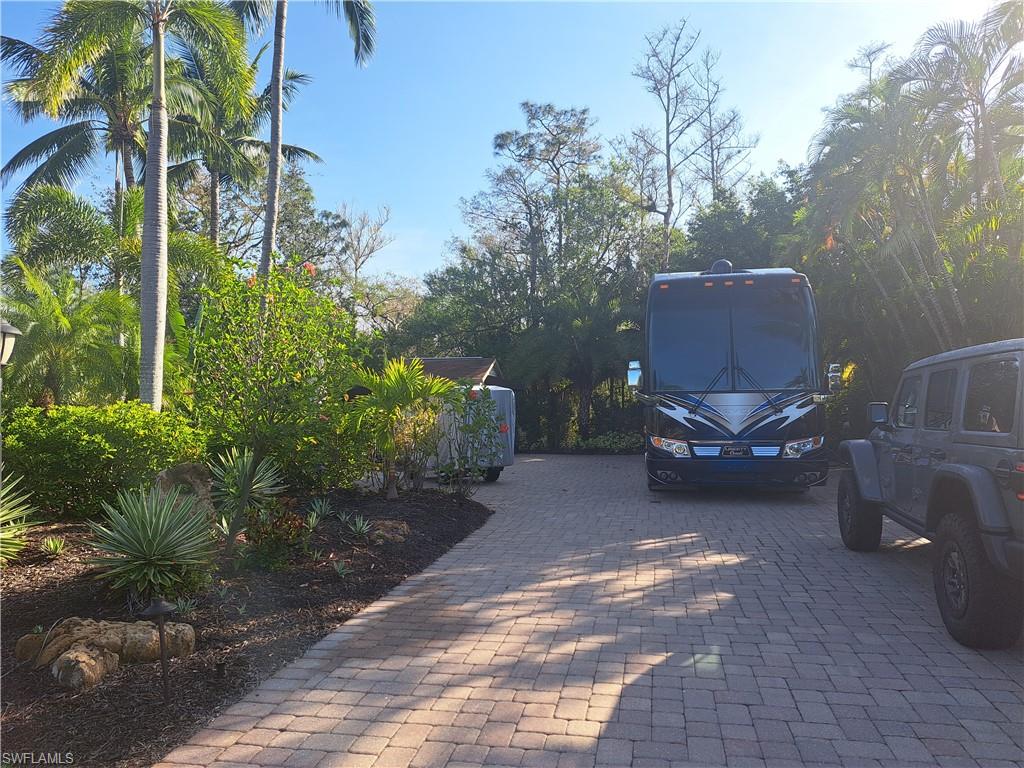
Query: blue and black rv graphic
{"points": [[731, 380]]}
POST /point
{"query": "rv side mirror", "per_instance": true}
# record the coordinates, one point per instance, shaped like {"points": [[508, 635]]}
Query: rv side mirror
{"points": [[878, 414], [835, 378], [633, 375]]}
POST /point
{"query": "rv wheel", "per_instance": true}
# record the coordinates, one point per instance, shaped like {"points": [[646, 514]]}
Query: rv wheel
{"points": [[492, 474]]}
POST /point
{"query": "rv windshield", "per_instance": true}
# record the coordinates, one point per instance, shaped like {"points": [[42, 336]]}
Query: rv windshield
{"points": [[766, 330]]}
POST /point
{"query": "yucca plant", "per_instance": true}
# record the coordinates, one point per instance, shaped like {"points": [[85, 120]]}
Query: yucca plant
{"points": [[54, 545], [241, 483], [360, 526], [154, 543], [321, 508], [15, 509]]}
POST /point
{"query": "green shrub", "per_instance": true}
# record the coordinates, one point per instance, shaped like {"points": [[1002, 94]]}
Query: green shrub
{"points": [[75, 458], [14, 523], [273, 361], [611, 443], [154, 544]]}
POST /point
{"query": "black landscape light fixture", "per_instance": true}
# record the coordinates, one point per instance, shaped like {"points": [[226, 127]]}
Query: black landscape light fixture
{"points": [[8, 335], [159, 609]]}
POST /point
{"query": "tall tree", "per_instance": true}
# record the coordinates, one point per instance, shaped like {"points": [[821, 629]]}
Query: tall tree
{"points": [[359, 17], [81, 33], [666, 70]]}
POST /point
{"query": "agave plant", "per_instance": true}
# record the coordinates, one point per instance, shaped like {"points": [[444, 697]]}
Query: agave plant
{"points": [[241, 483], [14, 513], [153, 542]]}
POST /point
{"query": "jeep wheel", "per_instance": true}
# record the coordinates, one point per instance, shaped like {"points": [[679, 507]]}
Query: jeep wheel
{"points": [[860, 522], [981, 607]]}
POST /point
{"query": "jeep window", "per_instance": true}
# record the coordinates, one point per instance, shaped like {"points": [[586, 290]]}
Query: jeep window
{"points": [[906, 403], [991, 396], [938, 406]]}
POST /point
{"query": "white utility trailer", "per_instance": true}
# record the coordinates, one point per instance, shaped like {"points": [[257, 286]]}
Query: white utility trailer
{"points": [[503, 454]]}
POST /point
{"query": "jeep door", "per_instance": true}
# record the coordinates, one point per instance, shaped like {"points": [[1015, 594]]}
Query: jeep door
{"points": [[934, 438], [895, 446]]}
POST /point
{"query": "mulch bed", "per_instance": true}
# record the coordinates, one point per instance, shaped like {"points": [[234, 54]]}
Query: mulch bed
{"points": [[248, 624]]}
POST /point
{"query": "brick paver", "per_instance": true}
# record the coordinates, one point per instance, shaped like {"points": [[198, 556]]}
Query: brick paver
{"points": [[592, 623]]}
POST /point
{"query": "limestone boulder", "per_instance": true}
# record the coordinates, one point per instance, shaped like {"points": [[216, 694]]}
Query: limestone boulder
{"points": [[82, 666], [81, 651], [195, 479], [395, 531]]}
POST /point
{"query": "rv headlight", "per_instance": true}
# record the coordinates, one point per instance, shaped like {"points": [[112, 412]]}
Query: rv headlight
{"points": [[798, 448], [677, 448]]}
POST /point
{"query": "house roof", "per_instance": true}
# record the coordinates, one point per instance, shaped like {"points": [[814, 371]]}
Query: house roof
{"points": [[475, 369]]}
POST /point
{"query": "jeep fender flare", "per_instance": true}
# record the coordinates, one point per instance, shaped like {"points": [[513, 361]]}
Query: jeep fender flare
{"points": [[860, 455], [989, 510]]}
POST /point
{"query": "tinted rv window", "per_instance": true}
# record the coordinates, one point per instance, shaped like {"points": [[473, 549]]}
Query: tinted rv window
{"points": [[689, 339], [773, 330]]}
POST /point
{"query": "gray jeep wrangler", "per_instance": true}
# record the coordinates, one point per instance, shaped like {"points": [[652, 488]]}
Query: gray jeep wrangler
{"points": [[946, 460]]}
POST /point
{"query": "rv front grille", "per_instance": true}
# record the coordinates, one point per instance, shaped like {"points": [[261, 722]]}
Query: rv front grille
{"points": [[765, 451], [707, 451]]}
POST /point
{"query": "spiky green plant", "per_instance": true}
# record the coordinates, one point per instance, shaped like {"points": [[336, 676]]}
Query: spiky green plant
{"points": [[360, 526], [342, 569], [54, 545], [153, 543], [15, 509], [241, 483]]}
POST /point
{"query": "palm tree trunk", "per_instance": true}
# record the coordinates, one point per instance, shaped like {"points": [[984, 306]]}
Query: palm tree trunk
{"points": [[933, 297], [274, 165], [215, 206], [922, 306], [153, 298], [944, 274], [129, 166], [890, 305]]}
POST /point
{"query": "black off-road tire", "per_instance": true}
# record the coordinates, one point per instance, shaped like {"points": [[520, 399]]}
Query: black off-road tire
{"points": [[981, 607], [492, 474], [860, 522]]}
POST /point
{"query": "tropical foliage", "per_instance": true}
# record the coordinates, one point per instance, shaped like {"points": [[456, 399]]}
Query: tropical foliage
{"points": [[15, 510], [153, 544], [400, 403]]}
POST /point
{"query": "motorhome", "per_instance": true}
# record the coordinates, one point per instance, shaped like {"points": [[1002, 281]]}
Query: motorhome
{"points": [[731, 381]]}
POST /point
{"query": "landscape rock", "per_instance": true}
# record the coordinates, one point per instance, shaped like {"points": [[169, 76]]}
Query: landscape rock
{"points": [[82, 666], [81, 651], [395, 531], [27, 647], [195, 478]]}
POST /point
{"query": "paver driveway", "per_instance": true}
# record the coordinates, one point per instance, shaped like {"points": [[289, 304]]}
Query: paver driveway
{"points": [[592, 622]]}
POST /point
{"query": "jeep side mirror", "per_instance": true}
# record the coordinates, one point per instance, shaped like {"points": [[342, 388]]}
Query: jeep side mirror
{"points": [[878, 414], [633, 375], [835, 378]]}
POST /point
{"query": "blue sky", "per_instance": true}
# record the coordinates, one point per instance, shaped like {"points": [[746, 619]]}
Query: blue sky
{"points": [[413, 129]]}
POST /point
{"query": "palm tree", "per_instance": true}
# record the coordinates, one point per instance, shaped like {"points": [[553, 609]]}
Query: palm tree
{"points": [[397, 394], [107, 113], [237, 155], [358, 15], [55, 232], [54, 229], [79, 35], [68, 351]]}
